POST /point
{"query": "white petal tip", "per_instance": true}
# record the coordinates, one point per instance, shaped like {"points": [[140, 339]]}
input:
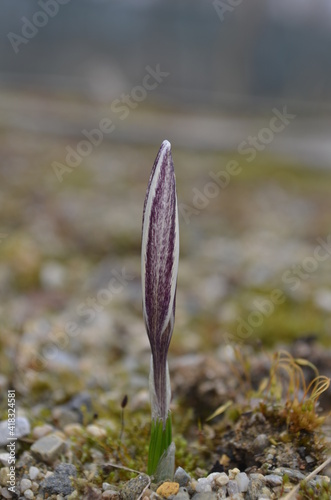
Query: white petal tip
{"points": [[166, 144]]}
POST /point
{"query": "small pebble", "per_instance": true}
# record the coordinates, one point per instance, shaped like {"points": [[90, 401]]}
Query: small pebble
{"points": [[233, 472], [106, 486], [273, 480], [48, 448], [203, 485], [181, 477], [291, 473], [260, 477], [60, 482], [33, 472], [96, 431], [73, 429], [309, 459], [242, 480], [254, 490], [134, 487], [4, 458], [151, 495], [22, 428], [41, 431], [167, 489], [63, 416], [260, 443], [25, 484], [232, 487], [222, 479], [182, 494], [4, 475], [265, 494], [29, 494], [211, 478]]}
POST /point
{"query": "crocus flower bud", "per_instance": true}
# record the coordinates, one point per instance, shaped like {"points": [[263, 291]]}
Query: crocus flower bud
{"points": [[159, 266], [159, 263]]}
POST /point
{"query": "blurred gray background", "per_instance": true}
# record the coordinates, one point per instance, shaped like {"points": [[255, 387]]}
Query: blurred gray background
{"points": [[216, 55], [231, 56]]}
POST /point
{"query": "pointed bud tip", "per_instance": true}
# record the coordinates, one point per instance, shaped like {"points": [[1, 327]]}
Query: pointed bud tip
{"points": [[166, 144]]}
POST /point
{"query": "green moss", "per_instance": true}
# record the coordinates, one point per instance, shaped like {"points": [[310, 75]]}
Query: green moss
{"points": [[317, 492], [290, 321]]}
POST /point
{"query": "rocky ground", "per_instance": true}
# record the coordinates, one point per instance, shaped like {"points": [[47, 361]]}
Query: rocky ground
{"points": [[254, 280]]}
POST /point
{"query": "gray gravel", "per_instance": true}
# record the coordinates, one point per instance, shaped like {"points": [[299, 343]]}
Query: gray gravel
{"points": [[60, 482]]}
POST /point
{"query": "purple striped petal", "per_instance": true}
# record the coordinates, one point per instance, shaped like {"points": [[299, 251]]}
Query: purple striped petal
{"points": [[159, 262]]}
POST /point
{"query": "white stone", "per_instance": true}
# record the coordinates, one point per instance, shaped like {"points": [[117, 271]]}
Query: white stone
{"points": [[233, 473], [22, 428], [96, 431], [273, 480], [4, 458], [42, 430], [29, 494], [242, 481], [48, 448], [73, 429], [212, 477], [203, 486], [25, 484], [33, 473], [222, 479]]}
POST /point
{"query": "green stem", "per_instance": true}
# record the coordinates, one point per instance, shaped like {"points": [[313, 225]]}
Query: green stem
{"points": [[161, 436]]}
